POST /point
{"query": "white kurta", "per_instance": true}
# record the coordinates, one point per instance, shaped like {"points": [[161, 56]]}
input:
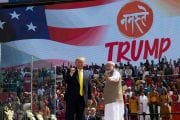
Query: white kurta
{"points": [[115, 110], [143, 105]]}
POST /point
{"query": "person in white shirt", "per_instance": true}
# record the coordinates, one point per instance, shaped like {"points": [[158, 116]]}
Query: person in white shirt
{"points": [[40, 91], [143, 104], [9, 113], [128, 72]]}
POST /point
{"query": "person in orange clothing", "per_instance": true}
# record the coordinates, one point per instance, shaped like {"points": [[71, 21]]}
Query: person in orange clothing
{"points": [[175, 105], [133, 107], [164, 105], [46, 112], [34, 104], [153, 98]]}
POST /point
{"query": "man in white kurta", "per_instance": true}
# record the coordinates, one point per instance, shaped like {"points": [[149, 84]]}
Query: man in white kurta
{"points": [[114, 105], [143, 104]]}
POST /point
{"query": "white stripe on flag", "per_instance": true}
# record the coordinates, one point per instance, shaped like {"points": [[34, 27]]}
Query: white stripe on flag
{"points": [[82, 17], [47, 49]]}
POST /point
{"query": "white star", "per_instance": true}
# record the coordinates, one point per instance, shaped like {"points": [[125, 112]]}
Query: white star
{"points": [[31, 8], [31, 27], [1, 24], [14, 15]]}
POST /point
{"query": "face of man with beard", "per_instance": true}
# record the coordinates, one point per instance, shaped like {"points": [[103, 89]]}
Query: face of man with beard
{"points": [[109, 67]]}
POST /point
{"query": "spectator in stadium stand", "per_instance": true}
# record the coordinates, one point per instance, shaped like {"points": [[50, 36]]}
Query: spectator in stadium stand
{"points": [[128, 71], [94, 102], [121, 69], [93, 115], [40, 91], [176, 70], [113, 96], [46, 111], [78, 92], [168, 69], [140, 69], [160, 88], [87, 113], [19, 113], [143, 104], [126, 106], [133, 107], [35, 104], [153, 99], [149, 84], [95, 93], [146, 73], [128, 92], [175, 105], [139, 86], [129, 81], [52, 103], [135, 74], [60, 107], [164, 105], [100, 100], [40, 104]]}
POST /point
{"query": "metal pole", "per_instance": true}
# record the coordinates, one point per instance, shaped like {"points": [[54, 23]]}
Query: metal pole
{"points": [[144, 116], [31, 81], [55, 88], [0, 55]]}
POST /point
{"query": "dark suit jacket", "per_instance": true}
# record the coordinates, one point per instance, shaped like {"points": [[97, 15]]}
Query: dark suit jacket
{"points": [[73, 87]]}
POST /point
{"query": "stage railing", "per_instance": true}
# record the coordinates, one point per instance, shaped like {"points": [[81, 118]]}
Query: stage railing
{"points": [[144, 116], [9, 87]]}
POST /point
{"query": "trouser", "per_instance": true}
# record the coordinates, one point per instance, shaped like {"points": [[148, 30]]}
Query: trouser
{"points": [[134, 116], [153, 109], [75, 110]]}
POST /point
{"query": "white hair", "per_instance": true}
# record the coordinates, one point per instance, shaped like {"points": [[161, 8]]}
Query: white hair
{"points": [[80, 58], [111, 63]]}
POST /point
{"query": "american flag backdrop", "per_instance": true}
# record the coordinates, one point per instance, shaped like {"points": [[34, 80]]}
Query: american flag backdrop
{"points": [[60, 22], [59, 31]]}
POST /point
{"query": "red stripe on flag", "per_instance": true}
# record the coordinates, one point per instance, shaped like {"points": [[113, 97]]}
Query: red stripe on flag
{"points": [[78, 36], [79, 4]]}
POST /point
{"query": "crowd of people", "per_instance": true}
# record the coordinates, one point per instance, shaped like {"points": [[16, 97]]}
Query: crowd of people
{"points": [[146, 88]]}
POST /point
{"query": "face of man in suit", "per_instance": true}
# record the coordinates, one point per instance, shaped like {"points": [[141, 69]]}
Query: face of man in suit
{"points": [[80, 63]]}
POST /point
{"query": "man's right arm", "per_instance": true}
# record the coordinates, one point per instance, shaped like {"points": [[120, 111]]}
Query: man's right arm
{"points": [[69, 76]]}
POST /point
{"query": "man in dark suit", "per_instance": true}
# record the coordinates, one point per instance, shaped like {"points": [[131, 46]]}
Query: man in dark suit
{"points": [[78, 91]]}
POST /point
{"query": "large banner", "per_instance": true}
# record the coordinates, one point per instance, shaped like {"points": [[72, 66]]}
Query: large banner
{"points": [[100, 30]]}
